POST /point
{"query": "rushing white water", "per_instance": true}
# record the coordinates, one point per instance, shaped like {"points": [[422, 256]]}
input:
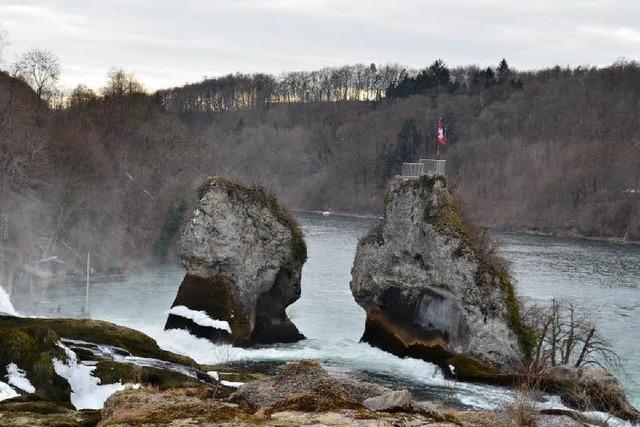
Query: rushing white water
{"points": [[607, 277], [6, 392], [86, 390], [5, 303], [18, 378]]}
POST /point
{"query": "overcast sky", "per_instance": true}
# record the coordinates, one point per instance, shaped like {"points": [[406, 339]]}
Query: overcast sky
{"points": [[170, 42]]}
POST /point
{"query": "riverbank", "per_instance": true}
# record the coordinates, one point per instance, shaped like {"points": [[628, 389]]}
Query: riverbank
{"points": [[506, 230], [569, 235]]}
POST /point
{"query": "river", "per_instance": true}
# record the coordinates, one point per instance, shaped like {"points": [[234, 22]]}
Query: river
{"points": [[605, 277]]}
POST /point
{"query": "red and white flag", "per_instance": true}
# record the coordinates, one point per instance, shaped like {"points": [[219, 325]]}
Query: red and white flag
{"points": [[442, 139]]}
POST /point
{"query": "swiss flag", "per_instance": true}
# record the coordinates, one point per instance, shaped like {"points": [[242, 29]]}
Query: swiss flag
{"points": [[442, 139]]}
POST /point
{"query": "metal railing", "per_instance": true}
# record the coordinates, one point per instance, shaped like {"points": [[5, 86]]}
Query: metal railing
{"points": [[412, 170], [429, 167], [433, 167]]}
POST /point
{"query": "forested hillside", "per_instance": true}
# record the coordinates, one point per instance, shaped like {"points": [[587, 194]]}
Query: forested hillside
{"points": [[113, 173]]}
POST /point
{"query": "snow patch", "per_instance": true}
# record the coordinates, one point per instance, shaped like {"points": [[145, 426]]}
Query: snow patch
{"points": [[18, 378], [86, 391], [200, 317], [6, 392], [214, 375]]}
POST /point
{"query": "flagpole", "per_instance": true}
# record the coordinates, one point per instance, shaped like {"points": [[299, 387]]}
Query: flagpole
{"points": [[437, 141]]}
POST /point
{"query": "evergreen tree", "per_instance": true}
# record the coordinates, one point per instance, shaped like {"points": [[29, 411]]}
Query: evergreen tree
{"points": [[435, 76], [504, 73], [408, 141], [406, 149]]}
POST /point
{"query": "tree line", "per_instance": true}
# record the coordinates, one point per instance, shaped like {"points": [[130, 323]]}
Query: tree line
{"points": [[110, 171]]}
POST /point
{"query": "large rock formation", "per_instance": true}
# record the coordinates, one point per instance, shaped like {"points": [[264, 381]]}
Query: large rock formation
{"points": [[243, 253], [432, 291]]}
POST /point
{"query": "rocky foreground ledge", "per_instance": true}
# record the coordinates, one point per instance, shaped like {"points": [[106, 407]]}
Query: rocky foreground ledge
{"points": [[90, 373], [243, 253]]}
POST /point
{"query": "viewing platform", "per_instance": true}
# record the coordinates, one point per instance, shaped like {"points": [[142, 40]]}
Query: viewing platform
{"points": [[428, 167]]}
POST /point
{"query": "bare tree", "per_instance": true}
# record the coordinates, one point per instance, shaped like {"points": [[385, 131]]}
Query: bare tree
{"points": [[567, 337], [41, 70], [121, 83]]}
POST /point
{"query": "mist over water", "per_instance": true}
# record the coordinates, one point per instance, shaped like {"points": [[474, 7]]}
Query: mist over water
{"points": [[606, 277], [5, 303]]}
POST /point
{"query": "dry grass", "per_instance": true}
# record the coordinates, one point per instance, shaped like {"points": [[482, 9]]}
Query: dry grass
{"points": [[149, 406], [522, 412]]}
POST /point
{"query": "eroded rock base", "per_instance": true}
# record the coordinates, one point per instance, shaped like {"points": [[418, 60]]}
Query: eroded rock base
{"points": [[406, 340], [213, 296]]}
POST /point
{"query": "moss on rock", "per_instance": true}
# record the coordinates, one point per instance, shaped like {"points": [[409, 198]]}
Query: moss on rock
{"points": [[36, 411], [48, 331], [32, 344], [448, 220], [32, 347], [526, 335], [110, 372]]}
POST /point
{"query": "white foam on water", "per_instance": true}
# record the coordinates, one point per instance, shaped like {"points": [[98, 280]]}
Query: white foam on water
{"points": [[18, 378], [86, 391], [6, 392], [5, 303], [199, 317], [353, 355], [606, 419], [347, 354], [120, 355], [501, 400]]}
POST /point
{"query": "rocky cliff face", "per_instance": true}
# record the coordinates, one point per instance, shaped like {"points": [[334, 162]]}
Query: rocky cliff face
{"points": [[431, 291], [244, 254]]}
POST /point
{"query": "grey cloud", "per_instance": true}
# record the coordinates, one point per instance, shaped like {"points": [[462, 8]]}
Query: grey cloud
{"points": [[167, 42]]}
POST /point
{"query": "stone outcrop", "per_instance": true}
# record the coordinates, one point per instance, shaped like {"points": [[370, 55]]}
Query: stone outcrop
{"points": [[305, 386], [37, 411], [432, 291], [243, 253], [394, 401]]}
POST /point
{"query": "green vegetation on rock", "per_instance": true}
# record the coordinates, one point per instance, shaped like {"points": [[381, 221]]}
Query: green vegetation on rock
{"points": [[448, 221], [32, 347], [525, 333]]}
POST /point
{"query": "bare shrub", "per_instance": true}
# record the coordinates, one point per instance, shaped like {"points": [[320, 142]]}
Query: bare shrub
{"points": [[522, 412]]}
